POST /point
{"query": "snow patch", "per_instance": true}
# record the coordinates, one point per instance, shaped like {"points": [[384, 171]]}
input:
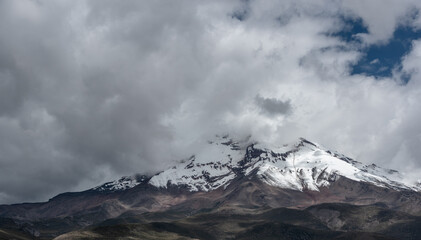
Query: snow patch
{"points": [[121, 184]]}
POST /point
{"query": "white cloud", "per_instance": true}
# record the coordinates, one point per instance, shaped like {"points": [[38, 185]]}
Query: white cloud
{"points": [[94, 90]]}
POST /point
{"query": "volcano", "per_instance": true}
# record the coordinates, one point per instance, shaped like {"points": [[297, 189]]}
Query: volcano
{"points": [[234, 189]]}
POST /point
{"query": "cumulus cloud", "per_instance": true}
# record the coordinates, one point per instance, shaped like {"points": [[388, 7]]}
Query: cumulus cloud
{"points": [[90, 90]]}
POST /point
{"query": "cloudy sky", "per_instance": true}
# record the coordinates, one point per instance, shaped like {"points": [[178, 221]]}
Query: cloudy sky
{"points": [[93, 90]]}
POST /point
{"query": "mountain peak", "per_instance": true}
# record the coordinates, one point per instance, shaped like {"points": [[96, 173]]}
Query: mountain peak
{"points": [[302, 165]]}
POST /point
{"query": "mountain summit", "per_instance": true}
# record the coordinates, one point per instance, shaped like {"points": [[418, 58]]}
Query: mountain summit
{"points": [[302, 165]]}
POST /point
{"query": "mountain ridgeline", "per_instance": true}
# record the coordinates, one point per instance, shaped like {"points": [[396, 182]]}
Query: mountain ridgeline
{"points": [[234, 190]]}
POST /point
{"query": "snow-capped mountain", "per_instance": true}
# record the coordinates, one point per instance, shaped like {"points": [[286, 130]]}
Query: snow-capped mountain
{"points": [[226, 175], [302, 165]]}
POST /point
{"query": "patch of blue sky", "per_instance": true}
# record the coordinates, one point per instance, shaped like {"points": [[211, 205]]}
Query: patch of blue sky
{"points": [[379, 60], [350, 30]]}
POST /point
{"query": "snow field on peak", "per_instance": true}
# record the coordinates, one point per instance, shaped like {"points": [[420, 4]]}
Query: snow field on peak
{"points": [[305, 169], [206, 171], [311, 167], [302, 165], [278, 177]]}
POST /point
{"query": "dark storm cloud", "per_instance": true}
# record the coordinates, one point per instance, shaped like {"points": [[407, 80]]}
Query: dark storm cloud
{"points": [[92, 90], [273, 106]]}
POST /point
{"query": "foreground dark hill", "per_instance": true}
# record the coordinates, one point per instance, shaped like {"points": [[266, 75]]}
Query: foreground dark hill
{"points": [[326, 221], [236, 190]]}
